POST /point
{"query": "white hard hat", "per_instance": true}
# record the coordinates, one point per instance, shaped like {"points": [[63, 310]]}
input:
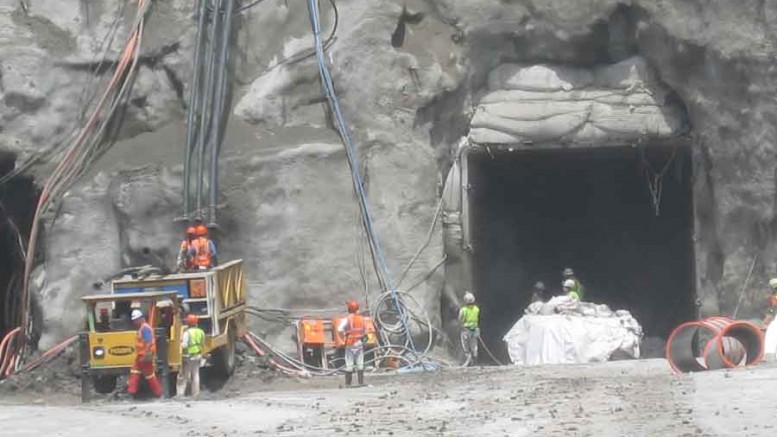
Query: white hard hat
{"points": [[136, 314], [469, 297], [773, 282], [569, 283]]}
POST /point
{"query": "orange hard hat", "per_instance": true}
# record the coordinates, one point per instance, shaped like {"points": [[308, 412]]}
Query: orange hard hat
{"points": [[191, 320], [352, 305], [191, 230], [201, 230]]}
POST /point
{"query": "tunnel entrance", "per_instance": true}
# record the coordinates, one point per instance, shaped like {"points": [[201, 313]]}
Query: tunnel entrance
{"points": [[18, 199], [535, 212]]}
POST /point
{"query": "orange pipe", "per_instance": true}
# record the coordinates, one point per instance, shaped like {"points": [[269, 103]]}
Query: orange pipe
{"points": [[721, 350], [6, 354]]}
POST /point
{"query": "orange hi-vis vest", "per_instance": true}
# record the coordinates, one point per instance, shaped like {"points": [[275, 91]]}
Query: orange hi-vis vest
{"points": [[202, 255], [356, 329], [141, 346]]}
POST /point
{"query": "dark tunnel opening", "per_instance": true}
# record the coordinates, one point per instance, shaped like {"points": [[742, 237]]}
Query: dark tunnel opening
{"points": [[18, 199], [536, 212]]}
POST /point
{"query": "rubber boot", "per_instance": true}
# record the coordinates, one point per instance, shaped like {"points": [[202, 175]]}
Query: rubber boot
{"points": [[348, 378], [154, 386], [360, 375], [132, 383]]}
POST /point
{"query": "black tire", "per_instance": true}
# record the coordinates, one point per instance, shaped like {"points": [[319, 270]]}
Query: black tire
{"points": [[224, 357], [104, 384]]}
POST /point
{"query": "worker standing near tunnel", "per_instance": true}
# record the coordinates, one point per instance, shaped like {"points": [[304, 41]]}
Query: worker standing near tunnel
{"points": [[355, 330], [192, 341], [469, 320], [145, 349], [202, 250], [771, 308], [538, 292], [576, 286], [184, 261]]}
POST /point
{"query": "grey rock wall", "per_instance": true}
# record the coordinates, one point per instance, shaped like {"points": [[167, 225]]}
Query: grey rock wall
{"points": [[408, 73]]}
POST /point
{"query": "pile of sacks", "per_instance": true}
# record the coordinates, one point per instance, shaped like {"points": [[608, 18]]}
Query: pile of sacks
{"points": [[565, 331], [560, 104]]}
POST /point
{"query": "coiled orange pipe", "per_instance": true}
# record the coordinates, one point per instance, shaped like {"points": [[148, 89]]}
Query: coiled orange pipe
{"points": [[714, 343]]}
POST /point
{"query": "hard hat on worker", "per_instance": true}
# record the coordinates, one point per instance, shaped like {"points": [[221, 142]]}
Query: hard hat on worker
{"points": [[539, 286], [469, 297], [569, 272], [191, 231], [352, 305], [773, 283], [191, 320], [569, 283], [136, 314], [201, 230]]}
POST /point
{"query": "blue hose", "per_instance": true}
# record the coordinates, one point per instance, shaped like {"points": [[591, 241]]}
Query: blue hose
{"points": [[358, 181]]}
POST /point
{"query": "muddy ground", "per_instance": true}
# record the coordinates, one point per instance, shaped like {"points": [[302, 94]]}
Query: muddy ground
{"points": [[627, 398]]}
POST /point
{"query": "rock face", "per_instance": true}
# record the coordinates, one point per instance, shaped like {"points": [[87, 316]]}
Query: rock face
{"points": [[409, 74]]}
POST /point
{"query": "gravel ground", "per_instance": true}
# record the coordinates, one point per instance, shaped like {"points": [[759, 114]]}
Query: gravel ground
{"points": [[627, 398]]}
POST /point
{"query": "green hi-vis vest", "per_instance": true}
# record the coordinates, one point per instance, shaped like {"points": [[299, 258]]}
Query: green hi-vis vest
{"points": [[469, 316], [579, 290], [196, 339]]}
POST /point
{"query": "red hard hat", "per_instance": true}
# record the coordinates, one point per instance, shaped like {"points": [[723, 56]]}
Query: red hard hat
{"points": [[353, 306], [191, 320], [191, 230], [201, 230]]}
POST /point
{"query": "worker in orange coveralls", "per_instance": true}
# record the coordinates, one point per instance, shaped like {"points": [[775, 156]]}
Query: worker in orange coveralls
{"points": [[145, 347]]}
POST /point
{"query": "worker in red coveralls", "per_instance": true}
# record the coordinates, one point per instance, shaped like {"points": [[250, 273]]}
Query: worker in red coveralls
{"points": [[145, 347]]}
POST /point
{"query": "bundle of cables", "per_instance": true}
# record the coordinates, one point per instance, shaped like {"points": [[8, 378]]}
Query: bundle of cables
{"points": [[88, 145], [391, 312]]}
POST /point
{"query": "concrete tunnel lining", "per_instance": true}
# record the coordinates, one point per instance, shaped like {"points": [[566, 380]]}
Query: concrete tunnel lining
{"points": [[532, 213]]}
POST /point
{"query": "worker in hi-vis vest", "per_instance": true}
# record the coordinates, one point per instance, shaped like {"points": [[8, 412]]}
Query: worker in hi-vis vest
{"points": [[191, 347], [354, 328], [577, 289], [469, 320]]}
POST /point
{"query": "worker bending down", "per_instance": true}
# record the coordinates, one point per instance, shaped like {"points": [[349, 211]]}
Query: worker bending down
{"points": [[355, 330], [576, 286], [469, 319], [184, 261], [202, 251], [145, 347], [191, 347]]}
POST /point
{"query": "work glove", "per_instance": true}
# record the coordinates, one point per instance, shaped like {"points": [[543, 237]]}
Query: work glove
{"points": [[147, 358]]}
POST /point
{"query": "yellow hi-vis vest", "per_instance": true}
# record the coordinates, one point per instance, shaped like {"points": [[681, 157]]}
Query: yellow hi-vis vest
{"points": [[196, 339], [469, 316]]}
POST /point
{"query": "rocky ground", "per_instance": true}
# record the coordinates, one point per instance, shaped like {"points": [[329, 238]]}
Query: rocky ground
{"points": [[627, 398]]}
